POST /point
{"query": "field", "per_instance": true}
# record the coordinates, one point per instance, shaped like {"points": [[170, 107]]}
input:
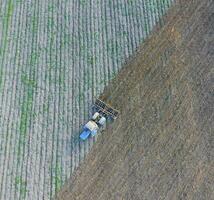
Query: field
{"points": [[161, 145], [56, 57]]}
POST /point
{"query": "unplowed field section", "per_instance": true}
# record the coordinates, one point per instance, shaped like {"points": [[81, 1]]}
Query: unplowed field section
{"points": [[55, 59]]}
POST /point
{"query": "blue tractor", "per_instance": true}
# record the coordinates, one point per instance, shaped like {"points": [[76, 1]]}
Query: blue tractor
{"points": [[103, 112]]}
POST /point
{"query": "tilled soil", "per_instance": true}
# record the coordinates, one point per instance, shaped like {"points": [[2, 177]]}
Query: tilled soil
{"points": [[161, 146]]}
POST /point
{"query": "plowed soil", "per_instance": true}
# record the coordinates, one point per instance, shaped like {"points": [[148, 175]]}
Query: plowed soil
{"points": [[161, 146]]}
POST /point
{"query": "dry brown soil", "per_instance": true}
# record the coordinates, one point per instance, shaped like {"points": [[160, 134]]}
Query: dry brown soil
{"points": [[162, 144]]}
